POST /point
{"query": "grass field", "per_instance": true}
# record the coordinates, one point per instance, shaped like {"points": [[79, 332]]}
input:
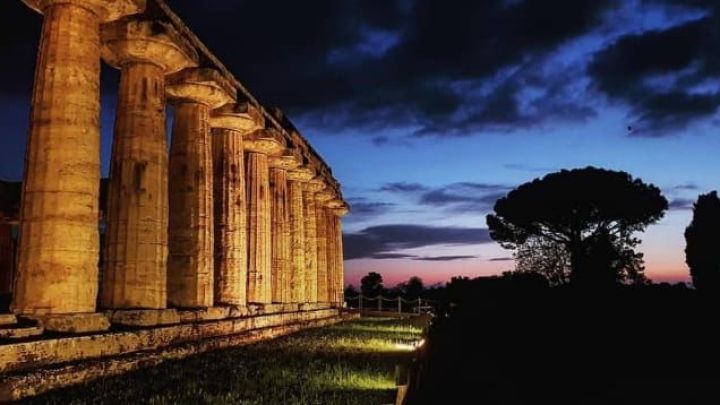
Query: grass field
{"points": [[348, 363]]}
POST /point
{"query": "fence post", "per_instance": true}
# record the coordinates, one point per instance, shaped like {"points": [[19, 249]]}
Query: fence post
{"points": [[419, 305], [379, 298], [360, 301], [399, 304]]}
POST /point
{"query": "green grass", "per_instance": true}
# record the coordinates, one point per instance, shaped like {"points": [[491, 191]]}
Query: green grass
{"points": [[349, 363]]}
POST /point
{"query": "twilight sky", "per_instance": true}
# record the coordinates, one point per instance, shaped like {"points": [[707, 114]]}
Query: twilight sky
{"points": [[429, 110]]}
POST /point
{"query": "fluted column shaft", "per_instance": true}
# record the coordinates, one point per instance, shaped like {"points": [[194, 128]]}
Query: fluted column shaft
{"points": [[311, 267], [322, 252], [331, 252], [297, 242], [259, 224], [339, 265], [280, 235], [58, 247], [136, 254], [230, 216], [190, 264]]}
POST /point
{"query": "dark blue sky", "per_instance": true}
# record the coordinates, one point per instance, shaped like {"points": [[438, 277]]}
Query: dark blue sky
{"points": [[429, 110]]}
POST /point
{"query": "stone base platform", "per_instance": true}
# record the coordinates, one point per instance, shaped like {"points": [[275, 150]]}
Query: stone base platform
{"points": [[43, 363]]}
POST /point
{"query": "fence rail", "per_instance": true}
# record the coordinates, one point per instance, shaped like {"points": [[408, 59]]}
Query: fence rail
{"points": [[416, 305]]}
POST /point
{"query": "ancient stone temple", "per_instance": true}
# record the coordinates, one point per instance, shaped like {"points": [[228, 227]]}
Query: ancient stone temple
{"points": [[227, 234]]}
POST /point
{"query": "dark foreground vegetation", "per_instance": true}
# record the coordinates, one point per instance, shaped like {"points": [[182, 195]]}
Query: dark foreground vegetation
{"points": [[348, 363], [514, 340]]}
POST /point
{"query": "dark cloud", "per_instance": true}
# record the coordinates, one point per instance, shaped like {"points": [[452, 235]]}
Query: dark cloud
{"points": [[443, 258], [681, 204], [381, 256], [363, 209], [403, 187], [683, 187], [663, 75], [388, 239], [501, 259], [472, 196]]}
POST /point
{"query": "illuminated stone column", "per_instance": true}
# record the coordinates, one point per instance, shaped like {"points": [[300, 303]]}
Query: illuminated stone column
{"points": [[330, 252], [230, 123], [335, 208], [259, 146], [339, 270], [311, 245], [322, 245], [190, 263], [59, 240], [297, 238], [279, 165], [135, 271]]}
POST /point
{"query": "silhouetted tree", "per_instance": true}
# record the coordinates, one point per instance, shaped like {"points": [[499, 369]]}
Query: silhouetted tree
{"points": [[702, 252], [350, 291], [591, 212], [411, 289], [372, 284]]}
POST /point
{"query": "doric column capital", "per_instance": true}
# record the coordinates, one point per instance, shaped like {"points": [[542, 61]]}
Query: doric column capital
{"points": [[106, 10], [302, 173], [335, 202], [317, 184], [200, 85], [289, 160], [340, 210], [324, 196], [268, 141], [132, 39], [241, 117]]}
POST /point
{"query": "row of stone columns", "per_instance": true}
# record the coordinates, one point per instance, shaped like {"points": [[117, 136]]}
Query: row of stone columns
{"points": [[232, 215]]}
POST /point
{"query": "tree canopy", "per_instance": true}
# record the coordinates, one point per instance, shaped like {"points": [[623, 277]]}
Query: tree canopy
{"points": [[702, 252], [591, 212], [372, 284]]}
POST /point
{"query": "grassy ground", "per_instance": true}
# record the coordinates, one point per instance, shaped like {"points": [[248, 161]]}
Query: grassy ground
{"points": [[349, 363]]}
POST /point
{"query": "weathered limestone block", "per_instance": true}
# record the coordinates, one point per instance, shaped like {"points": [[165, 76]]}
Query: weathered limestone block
{"points": [[311, 265], [75, 323], [21, 332], [280, 232], [7, 319], [58, 274], [144, 317], [297, 241], [230, 123], [190, 263], [135, 273], [205, 314]]}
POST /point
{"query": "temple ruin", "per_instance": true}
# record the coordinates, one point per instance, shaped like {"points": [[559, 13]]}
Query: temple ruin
{"points": [[228, 234]]}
